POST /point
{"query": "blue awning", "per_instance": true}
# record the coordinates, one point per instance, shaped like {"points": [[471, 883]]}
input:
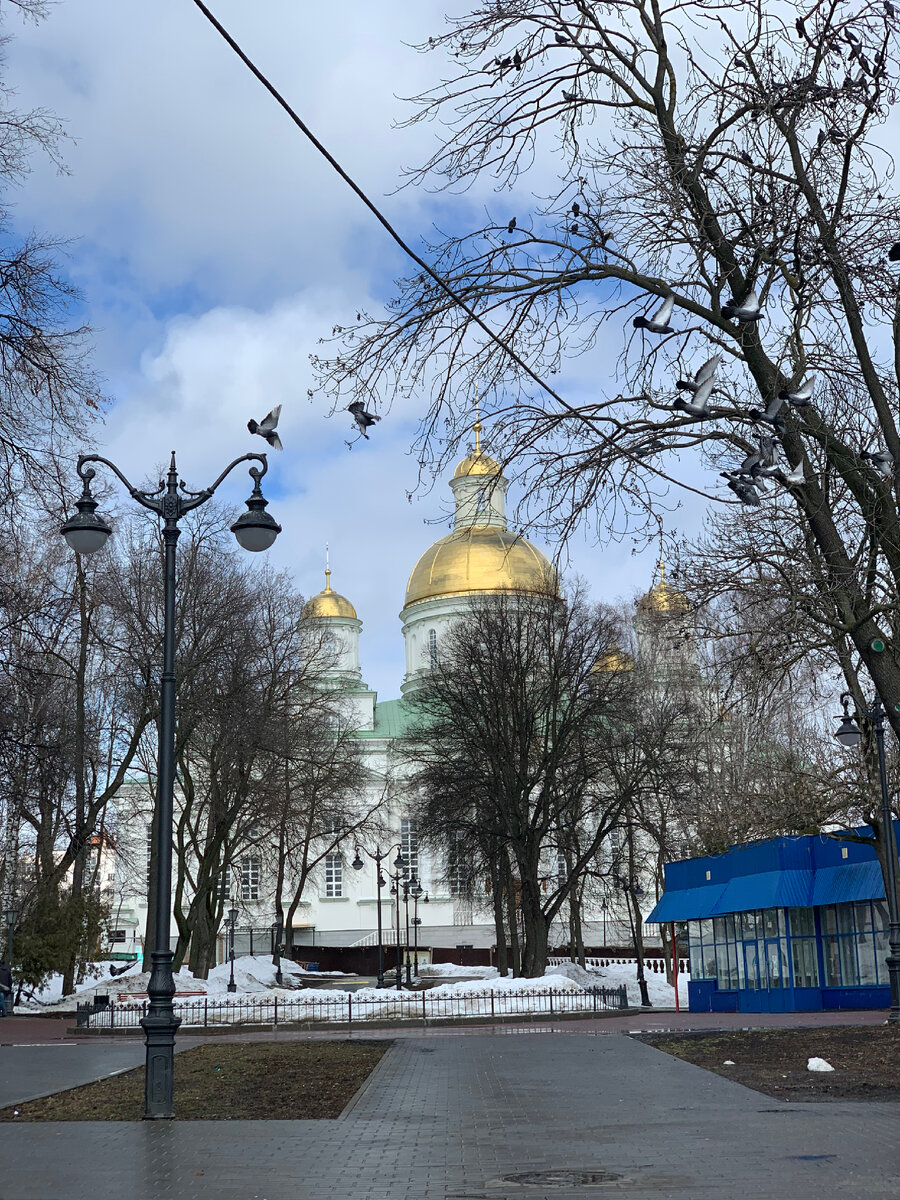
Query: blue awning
{"points": [[853, 881], [768, 889], [686, 904]]}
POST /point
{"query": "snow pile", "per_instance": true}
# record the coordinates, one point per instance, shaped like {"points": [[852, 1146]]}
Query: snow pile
{"points": [[660, 993], [253, 975], [819, 1064], [435, 970]]}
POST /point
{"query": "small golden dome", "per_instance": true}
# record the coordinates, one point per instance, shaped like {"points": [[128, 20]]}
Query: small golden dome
{"points": [[481, 558], [328, 603], [663, 598], [614, 660], [477, 463]]}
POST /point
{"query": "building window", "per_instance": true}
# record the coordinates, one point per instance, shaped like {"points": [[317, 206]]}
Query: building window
{"points": [[456, 870], [854, 943], [334, 875], [432, 648], [224, 889], [250, 873], [562, 869], [117, 935], [409, 845]]}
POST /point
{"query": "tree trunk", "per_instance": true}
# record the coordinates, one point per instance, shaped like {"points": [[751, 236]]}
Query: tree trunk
{"points": [[576, 931], [499, 928], [509, 890], [537, 929]]}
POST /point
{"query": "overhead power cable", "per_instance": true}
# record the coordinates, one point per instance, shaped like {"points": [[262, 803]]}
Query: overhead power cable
{"points": [[408, 250]]}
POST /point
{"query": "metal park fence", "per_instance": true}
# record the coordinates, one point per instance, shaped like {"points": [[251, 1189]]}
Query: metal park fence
{"points": [[352, 1007]]}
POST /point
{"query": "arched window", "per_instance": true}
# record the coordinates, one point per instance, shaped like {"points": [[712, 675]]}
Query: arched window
{"points": [[432, 647]]}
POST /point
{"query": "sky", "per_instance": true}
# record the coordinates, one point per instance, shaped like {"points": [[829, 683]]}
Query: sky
{"points": [[214, 248]]}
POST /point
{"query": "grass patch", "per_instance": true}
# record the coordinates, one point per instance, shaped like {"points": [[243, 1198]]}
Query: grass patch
{"points": [[866, 1060], [256, 1081]]}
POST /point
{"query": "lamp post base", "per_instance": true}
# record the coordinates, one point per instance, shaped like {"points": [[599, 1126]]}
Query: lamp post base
{"points": [[159, 1026]]}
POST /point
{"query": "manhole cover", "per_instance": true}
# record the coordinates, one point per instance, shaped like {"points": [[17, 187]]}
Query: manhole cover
{"points": [[560, 1178]]}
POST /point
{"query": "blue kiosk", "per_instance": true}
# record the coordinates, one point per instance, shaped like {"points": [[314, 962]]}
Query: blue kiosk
{"points": [[784, 925]]}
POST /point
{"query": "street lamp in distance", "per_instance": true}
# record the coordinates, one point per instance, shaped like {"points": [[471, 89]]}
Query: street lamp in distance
{"points": [[232, 922], [849, 735]]}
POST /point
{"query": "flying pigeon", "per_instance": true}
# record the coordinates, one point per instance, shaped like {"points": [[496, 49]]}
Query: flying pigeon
{"points": [[801, 397], [511, 227], [707, 371], [744, 490], [769, 414], [698, 406], [794, 477], [743, 311], [266, 427], [659, 321], [881, 460], [362, 418]]}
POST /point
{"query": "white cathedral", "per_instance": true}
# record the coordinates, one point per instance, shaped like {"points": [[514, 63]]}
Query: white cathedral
{"points": [[481, 555]]}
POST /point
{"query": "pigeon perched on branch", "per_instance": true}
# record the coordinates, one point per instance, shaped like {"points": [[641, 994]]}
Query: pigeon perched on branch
{"points": [[800, 397], [365, 420], [743, 311], [881, 460], [266, 427], [659, 321], [511, 227]]}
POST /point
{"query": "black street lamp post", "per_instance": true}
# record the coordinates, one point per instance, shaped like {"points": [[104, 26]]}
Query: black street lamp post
{"points": [[378, 858], [416, 892], [86, 533], [849, 735], [407, 888], [395, 891], [232, 922], [10, 917]]}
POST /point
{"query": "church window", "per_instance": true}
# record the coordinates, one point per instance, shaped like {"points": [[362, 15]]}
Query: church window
{"points": [[432, 648], [409, 845], [224, 889], [250, 873], [562, 870], [334, 875], [456, 870]]}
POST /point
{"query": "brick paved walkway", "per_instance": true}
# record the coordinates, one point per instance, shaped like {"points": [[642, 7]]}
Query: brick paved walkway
{"points": [[446, 1118]]}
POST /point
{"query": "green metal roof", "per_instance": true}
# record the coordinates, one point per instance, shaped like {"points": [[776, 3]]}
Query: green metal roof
{"points": [[392, 720]]}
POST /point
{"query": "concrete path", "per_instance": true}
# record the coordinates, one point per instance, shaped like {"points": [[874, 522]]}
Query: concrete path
{"points": [[453, 1118]]}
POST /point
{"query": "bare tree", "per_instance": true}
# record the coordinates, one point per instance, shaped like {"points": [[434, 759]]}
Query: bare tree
{"points": [[706, 152], [518, 740]]}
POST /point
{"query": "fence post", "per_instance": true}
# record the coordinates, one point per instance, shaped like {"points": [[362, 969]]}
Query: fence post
{"points": [[423, 1007], [349, 1008], [594, 990], [492, 1001], [205, 1011], [276, 1012], [551, 1002]]}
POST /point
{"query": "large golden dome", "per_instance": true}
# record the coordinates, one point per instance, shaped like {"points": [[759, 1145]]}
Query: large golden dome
{"points": [[480, 558], [328, 603]]}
